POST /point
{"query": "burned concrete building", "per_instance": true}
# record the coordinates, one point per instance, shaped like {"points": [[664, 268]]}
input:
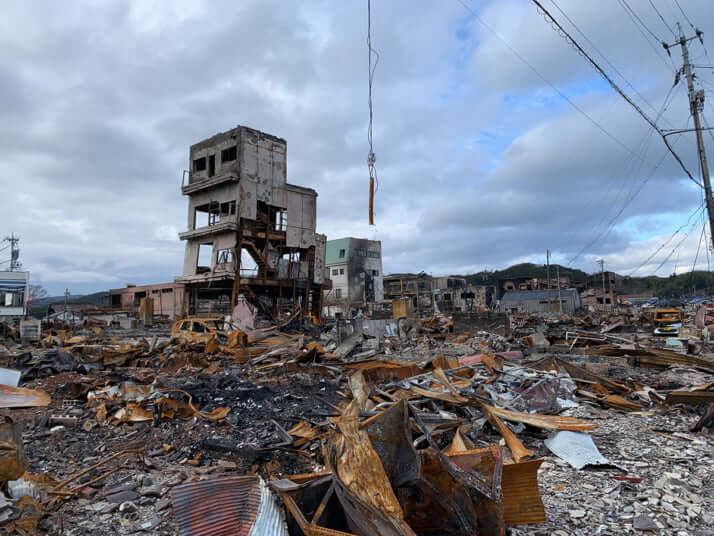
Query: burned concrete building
{"points": [[355, 268], [249, 232], [417, 288]]}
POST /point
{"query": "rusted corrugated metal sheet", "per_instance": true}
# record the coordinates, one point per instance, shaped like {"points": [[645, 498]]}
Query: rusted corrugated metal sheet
{"points": [[227, 506], [522, 502]]}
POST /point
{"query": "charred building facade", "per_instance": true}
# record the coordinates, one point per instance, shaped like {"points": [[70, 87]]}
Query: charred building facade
{"points": [[355, 269], [249, 231]]}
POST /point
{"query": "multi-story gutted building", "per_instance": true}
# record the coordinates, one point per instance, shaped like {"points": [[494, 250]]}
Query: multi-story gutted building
{"points": [[448, 292], [249, 231], [415, 287], [355, 268]]}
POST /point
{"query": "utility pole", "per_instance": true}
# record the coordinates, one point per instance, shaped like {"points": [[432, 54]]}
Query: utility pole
{"points": [[601, 262], [15, 263], [547, 273], [696, 104], [560, 302], [66, 299]]}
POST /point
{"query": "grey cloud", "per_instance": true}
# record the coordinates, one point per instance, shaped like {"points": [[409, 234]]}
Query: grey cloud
{"points": [[480, 163]]}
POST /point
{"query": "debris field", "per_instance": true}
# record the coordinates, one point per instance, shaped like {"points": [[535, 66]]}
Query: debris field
{"points": [[561, 425]]}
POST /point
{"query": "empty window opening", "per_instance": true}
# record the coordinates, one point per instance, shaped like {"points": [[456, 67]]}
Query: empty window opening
{"points": [[201, 218], [199, 164], [228, 155], [338, 293], [342, 254], [212, 165], [213, 213], [248, 266], [205, 254]]}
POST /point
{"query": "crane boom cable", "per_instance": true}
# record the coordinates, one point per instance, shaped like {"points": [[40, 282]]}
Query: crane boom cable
{"points": [[371, 158]]}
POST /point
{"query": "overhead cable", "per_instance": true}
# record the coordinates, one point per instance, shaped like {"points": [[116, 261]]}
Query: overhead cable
{"points": [[548, 82], [664, 244], [635, 18], [603, 56], [662, 18], [684, 14], [609, 80]]}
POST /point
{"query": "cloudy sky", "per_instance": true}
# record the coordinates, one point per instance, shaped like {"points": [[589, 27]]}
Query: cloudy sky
{"points": [[481, 163]]}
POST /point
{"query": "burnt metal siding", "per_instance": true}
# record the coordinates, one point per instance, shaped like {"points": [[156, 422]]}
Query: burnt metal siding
{"points": [[531, 301], [227, 506]]}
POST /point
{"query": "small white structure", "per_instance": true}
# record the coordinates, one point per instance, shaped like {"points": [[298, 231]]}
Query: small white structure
{"points": [[14, 293]]}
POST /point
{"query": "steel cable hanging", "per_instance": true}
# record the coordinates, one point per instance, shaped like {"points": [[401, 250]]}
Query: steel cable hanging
{"points": [[371, 158]]}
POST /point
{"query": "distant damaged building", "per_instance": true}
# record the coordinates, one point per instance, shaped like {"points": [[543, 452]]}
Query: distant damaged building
{"points": [[355, 268], [540, 301], [249, 232]]}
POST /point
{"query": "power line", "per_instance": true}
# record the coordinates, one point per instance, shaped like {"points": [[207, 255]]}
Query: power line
{"points": [[662, 18], [603, 55], [664, 244], [631, 196], [645, 147], [617, 88], [675, 248], [696, 257], [684, 14], [544, 79], [634, 18]]}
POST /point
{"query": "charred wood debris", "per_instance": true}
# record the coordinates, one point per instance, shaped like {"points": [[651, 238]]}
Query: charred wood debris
{"points": [[561, 425]]}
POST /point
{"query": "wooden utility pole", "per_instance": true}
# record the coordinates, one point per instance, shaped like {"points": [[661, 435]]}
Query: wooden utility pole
{"points": [[696, 103]]}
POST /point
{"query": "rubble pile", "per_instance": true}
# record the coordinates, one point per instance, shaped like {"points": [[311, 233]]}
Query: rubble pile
{"points": [[563, 426]]}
